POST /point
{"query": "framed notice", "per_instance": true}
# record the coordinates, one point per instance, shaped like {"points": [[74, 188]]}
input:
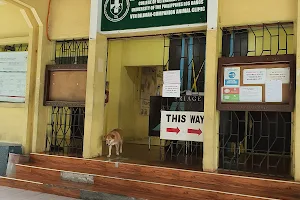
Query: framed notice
{"points": [[13, 70], [65, 85], [258, 83]]}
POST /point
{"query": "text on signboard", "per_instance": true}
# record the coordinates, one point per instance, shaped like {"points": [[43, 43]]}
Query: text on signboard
{"points": [[182, 118]]}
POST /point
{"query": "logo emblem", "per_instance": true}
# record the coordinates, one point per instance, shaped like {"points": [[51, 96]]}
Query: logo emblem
{"points": [[231, 74], [116, 10]]}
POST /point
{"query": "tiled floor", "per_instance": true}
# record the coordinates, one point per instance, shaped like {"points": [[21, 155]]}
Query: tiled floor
{"points": [[7, 193]]}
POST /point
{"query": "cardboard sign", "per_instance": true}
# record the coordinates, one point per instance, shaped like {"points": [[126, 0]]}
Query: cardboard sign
{"points": [[182, 125]]}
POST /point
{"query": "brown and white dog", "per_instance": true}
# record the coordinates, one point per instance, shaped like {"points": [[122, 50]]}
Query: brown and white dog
{"points": [[114, 138]]}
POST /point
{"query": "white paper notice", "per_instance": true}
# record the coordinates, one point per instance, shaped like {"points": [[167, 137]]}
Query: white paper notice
{"points": [[251, 94], [13, 61], [273, 91], [254, 76], [171, 90], [171, 76], [281, 74]]}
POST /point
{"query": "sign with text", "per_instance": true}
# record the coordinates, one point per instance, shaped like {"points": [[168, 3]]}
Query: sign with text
{"points": [[230, 94], [135, 14], [171, 83], [254, 76], [232, 76], [280, 74], [182, 125], [13, 69]]}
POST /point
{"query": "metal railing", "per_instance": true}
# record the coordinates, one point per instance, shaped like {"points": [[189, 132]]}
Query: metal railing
{"points": [[65, 131], [72, 52], [186, 52]]}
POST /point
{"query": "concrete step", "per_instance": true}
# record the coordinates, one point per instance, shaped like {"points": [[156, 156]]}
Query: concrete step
{"points": [[155, 189], [257, 187], [39, 187]]}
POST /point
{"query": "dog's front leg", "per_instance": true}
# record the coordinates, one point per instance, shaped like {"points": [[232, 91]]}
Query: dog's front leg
{"points": [[117, 149], [121, 147], [109, 151]]}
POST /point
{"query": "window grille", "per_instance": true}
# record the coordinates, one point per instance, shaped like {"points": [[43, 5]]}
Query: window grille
{"points": [[256, 142]]}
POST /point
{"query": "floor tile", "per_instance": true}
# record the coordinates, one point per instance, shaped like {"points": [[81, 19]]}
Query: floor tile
{"points": [[18, 194]]}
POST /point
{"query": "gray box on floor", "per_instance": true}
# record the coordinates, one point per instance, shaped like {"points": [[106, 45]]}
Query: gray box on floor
{"points": [[5, 149]]}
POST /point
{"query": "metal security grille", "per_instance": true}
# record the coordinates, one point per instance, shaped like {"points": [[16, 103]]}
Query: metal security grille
{"points": [[256, 142], [65, 129], [186, 52], [258, 40], [14, 47], [72, 52]]}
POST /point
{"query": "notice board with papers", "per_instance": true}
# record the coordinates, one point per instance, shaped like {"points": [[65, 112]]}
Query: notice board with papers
{"points": [[258, 83]]}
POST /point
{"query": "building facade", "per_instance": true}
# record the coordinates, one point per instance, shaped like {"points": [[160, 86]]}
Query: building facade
{"points": [[63, 32]]}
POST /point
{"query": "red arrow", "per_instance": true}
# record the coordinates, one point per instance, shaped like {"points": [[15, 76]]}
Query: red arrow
{"points": [[174, 130], [195, 131]]}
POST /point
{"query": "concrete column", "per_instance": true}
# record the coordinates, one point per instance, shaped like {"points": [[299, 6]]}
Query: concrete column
{"points": [[296, 130], [34, 53], [95, 97], [114, 70], [211, 115], [45, 53]]}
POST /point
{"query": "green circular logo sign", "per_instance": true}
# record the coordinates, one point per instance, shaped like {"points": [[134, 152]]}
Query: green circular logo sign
{"points": [[116, 10]]}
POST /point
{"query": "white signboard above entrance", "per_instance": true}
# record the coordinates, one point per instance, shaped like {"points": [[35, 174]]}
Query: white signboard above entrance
{"points": [[182, 125]]}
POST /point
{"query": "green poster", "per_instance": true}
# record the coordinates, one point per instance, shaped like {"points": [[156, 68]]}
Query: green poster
{"points": [[134, 14], [231, 98]]}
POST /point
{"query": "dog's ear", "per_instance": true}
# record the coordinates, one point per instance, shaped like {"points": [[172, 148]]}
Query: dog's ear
{"points": [[104, 137], [113, 136]]}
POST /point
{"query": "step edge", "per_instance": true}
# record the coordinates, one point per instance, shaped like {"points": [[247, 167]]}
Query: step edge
{"points": [[40, 183], [55, 186], [58, 170], [44, 187], [21, 180], [155, 183], [173, 169]]}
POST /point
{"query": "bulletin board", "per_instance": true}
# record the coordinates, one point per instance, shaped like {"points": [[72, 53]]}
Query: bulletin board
{"points": [[258, 83], [65, 85]]}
